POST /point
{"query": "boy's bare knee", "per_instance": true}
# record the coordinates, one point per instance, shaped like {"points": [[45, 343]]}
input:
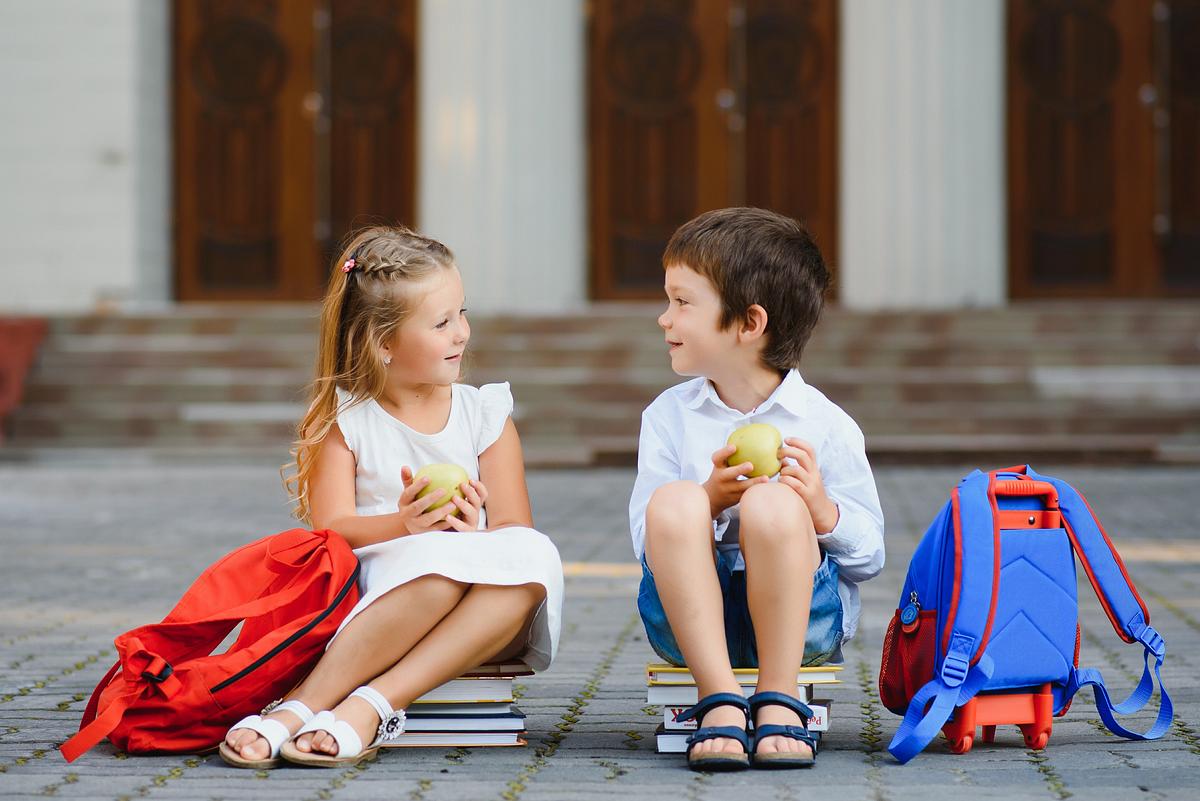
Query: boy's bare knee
{"points": [[675, 502], [677, 493], [772, 509], [677, 515]]}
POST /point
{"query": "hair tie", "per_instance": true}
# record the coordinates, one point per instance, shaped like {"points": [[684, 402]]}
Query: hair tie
{"points": [[349, 265]]}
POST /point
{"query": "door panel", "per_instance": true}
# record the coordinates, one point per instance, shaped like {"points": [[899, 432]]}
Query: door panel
{"points": [[1179, 159], [657, 139], [791, 120], [1102, 138], [696, 105], [372, 136], [293, 121]]}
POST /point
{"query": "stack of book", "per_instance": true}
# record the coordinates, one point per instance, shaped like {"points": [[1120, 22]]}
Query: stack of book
{"points": [[674, 689], [475, 709]]}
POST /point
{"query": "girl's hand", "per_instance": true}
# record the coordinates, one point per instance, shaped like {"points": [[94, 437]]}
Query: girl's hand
{"points": [[474, 496], [725, 485], [415, 516], [803, 475]]}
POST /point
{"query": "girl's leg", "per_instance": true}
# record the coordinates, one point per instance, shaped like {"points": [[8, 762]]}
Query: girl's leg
{"points": [[780, 547], [679, 550], [489, 621], [369, 645]]}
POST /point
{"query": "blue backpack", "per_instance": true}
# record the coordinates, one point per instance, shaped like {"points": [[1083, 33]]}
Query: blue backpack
{"points": [[987, 628]]}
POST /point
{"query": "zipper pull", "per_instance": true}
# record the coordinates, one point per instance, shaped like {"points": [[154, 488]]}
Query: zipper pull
{"points": [[911, 613]]}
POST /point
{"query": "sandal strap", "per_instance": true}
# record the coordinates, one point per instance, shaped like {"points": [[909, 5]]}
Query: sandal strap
{"points": [[769, 698], [800, 733], [274, 732], [349, 743], [710, 702], [391, 721], [713, 732], [376, 699], [297, 708]]}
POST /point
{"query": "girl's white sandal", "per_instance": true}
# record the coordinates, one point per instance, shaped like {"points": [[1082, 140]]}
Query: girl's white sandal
{"points": [[274, 732], [350, 746]]}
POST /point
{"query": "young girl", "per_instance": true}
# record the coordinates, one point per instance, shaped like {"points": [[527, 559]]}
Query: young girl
{"points": [[443, 589]]}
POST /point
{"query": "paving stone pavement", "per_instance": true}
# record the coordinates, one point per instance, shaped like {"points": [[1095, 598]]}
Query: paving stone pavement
{"points": [[89, 550]]}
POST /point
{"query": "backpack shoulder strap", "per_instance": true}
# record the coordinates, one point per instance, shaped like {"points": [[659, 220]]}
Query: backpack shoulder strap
{"points": [[1125, 609], [964, 667]]}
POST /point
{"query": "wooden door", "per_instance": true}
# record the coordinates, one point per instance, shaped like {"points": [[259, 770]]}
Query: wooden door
{"points": [[1102, 141], [1177, 164], [372, 148], [293, 121], [790, 85], [701, 104]]}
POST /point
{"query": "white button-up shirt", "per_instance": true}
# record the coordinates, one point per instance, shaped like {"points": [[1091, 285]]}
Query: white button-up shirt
{"points": [[685, 425]]}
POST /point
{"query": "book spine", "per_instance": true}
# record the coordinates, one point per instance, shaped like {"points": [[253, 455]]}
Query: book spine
{"points": [[684, 695]]}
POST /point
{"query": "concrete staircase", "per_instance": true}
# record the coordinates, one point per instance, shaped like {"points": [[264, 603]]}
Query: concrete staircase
{"points": [[1047, 381]]}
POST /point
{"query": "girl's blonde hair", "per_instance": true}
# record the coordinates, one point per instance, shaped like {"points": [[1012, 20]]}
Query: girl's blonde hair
{"points": [[363, 308]]}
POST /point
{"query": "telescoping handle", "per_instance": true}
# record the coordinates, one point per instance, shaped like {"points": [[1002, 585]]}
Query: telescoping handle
{"points": [[1027, 488], [1048, 516]]}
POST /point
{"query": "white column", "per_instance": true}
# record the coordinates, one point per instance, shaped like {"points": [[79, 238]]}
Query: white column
{"points": [[501, 154], [84, 143], [152, 154], [922, 188]]}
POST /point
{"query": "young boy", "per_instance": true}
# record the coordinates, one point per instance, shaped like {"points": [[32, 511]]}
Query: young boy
{"points": [[749, 572]]}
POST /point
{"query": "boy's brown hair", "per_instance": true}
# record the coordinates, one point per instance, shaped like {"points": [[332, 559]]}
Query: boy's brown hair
{"points": [[755, 256]]}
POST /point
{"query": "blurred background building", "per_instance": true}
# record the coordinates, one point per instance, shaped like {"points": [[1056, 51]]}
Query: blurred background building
{"points": [[1008, 192]]}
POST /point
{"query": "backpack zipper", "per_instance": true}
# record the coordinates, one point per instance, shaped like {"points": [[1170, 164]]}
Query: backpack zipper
{"points": [[262, 660]]}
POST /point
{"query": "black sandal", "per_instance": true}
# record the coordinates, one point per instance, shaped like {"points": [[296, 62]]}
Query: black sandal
{"points": [[718, 762], [782, 761]]}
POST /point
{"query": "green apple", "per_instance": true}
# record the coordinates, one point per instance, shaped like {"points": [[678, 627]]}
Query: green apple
{"points": [[446, 477], [757, 443]]}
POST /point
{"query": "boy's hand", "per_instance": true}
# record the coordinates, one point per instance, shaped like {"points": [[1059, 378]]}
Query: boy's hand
{"points": [[724, 485], [803, 475], [415, 516], [474, 496]]}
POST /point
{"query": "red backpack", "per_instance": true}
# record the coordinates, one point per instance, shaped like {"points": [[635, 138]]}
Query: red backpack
{"points": [[169, 692]]}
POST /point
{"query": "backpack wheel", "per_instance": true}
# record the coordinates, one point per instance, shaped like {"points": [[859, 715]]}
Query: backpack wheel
{"points": [[1037, 740], [963, 744]]}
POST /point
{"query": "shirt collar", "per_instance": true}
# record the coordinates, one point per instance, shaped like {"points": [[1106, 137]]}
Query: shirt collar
{"points": [[789, 394]]}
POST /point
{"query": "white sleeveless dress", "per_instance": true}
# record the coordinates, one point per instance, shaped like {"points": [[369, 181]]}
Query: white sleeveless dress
{"points": [[381, 445]]}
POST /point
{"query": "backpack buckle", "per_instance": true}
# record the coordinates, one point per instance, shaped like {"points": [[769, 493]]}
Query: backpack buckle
{"points": [[957, 663], [1153, 641], [1144, 633], [158, 671], [954, 670]]}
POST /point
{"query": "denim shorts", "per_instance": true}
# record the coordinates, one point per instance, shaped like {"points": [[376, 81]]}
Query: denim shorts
{"points": [[823, 641]]}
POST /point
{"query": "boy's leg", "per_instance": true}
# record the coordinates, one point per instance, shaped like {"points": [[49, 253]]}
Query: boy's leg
{"points": [[779, 544], [679, 550], [490, 621], [371, 643]]}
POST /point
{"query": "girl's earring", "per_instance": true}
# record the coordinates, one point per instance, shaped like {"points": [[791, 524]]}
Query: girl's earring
{"points": [[387, 360]]}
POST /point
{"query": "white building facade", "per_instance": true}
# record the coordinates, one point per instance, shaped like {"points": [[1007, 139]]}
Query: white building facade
{"points": [[501, 152]]}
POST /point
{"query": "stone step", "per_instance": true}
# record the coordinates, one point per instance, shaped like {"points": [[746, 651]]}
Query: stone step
{"points": [[180, 420], [553, 336], [1037, 318], [513, 361], [1050, 375], [571, 332], [980, 450], [632, 384]]}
